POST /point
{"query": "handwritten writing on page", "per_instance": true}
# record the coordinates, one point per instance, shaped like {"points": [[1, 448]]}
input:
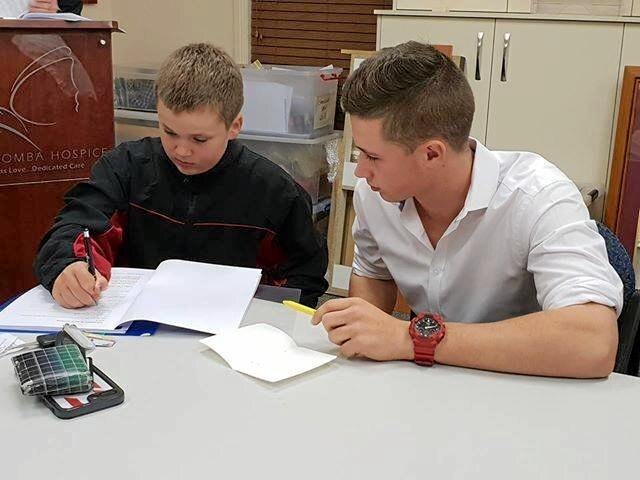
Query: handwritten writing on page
{"points": [[36, 309]]}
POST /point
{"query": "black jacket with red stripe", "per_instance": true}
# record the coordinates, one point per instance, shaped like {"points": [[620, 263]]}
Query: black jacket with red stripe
{"points": [[246, 211]]}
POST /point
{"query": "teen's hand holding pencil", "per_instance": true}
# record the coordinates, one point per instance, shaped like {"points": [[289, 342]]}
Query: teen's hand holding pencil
{"points": [[361, 329]]}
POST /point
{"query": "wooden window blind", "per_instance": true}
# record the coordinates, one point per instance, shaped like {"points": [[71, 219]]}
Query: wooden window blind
{"points": [[312, 32]]}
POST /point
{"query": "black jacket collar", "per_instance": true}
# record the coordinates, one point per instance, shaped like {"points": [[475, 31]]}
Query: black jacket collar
{"points": [[230, 157]]}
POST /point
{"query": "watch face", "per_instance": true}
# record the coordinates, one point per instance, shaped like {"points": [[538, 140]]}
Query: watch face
{"points": [[427, 326]]}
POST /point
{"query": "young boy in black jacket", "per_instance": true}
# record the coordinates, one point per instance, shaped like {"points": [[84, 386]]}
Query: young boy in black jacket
{"points": [[195, 193]]}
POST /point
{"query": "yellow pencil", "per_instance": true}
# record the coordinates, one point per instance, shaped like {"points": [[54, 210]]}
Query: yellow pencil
{"points": [[299, 307]]}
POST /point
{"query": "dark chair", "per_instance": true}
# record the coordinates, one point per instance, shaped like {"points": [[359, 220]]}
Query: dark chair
{"points": [[628, 357]]}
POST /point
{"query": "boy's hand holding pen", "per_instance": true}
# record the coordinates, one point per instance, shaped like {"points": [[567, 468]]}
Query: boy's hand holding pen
{"points": [[80, 284]]}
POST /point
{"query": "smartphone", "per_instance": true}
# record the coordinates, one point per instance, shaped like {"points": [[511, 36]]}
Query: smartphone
{"points": [[105, 393]]}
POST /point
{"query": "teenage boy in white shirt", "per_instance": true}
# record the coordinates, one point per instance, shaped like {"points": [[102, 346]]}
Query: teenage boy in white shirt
{"points": [[495, 251]]}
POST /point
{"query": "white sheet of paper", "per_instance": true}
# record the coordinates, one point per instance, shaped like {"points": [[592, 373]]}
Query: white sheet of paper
{"points": [[36, 310], [7, 341], [214, 299], [267, 106], [69, 17], [266, 352]]}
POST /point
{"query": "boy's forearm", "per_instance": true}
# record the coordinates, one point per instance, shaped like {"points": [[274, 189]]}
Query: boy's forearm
{"points": [[54, 254], [578, 341], [381, 293]]}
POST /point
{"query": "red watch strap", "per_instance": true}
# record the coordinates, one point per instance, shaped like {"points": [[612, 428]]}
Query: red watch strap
{"points": [[424, 348], [424, 355]]}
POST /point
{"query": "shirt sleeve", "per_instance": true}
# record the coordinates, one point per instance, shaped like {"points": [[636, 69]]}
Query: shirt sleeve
{"points": [[91, 204], [367, 261], [567, 255]]}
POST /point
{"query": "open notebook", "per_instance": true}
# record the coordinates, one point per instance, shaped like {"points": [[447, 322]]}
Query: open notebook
{"points": [[193, 295]]}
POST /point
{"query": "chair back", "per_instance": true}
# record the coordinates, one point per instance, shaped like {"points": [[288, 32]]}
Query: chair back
{"points": [[629, 319], [628, 356], [619, 260]]}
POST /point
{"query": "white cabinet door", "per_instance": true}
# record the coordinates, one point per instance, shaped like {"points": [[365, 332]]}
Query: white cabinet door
{"points": [[553, 91], [463, 34], [454, 5]]}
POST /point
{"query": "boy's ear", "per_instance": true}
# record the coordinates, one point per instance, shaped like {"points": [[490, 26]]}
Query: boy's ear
{"points": [[236, 127], [433, 149]]}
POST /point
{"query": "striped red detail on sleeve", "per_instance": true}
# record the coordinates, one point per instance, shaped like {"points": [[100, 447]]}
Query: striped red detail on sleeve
{"points": [[105, 246]]}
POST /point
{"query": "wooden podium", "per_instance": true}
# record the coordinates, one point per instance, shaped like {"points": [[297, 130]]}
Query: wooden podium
{"points": [[56, 120]]}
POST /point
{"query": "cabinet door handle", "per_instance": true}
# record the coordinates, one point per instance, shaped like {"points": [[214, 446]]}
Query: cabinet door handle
{"points": [[479, 54], [505, 57]]}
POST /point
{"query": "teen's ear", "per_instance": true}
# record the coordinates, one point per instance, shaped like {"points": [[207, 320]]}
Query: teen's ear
{"points": [[236, 127], [433, 150]]}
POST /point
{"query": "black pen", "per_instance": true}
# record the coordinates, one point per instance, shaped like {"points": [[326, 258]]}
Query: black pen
{"points": [[89, 252]]}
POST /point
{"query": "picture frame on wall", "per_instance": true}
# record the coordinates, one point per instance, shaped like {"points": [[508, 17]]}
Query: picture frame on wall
{"points": [[623, 195]]}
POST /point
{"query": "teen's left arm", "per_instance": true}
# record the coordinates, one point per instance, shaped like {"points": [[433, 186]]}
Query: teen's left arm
{"points": [[577, 341]]}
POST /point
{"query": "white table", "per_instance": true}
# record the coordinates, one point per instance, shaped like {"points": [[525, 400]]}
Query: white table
{"points": [[188, 415]]}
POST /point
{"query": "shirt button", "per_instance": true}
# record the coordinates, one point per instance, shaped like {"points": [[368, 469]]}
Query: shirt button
{"points": [[437, 271]]}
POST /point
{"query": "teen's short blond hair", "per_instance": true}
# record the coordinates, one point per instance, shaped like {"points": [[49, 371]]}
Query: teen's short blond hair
{"points": [[201, 75], [418, 92]]}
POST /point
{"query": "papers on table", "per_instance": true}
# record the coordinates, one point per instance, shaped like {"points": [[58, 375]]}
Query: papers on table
{"points": [[69, 17], [198, 296], [266, 352], [193, 295], [36, 310], [8, 341]]}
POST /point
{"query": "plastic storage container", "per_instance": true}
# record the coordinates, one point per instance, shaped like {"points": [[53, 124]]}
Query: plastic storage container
{"points": [[304, 159], [134, 88], [289, 100]]}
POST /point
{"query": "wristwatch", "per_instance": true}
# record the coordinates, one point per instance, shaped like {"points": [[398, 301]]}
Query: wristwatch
{"points": [[426, 330]]}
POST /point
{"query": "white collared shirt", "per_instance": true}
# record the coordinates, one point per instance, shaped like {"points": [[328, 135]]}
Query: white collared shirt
{"points": [[13, 8], [522, 242]]}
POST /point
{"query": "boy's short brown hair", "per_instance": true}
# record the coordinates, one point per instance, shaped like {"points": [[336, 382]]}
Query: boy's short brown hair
{"points": [[418, 92], [200, 75]]}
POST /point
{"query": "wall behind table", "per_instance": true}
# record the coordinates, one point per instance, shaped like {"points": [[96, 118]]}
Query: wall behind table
{"points": [[154, 28], [103, 10]]}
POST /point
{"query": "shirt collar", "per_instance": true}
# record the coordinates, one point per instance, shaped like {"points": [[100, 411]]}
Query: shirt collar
{"points": [[484, 178]]}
